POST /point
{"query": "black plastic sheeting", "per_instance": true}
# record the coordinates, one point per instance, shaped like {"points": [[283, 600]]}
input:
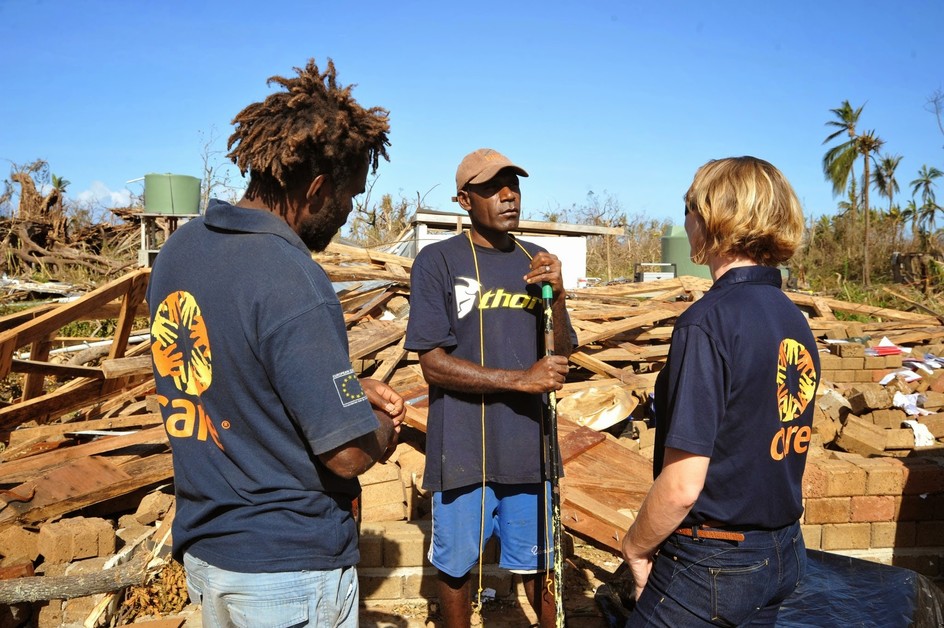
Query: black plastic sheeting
{"points": [[837, 592]]}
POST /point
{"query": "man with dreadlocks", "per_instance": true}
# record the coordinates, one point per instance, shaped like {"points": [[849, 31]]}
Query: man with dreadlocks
{"points": [[268, 423], [476, 322]]}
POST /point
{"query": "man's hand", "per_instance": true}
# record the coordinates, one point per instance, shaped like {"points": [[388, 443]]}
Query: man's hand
{"points": [[388, 405], [383, 397], [545, 375], [545, 267]]}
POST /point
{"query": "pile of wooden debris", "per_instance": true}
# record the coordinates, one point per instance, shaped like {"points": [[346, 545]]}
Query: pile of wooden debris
{"points": [[84, 443]]}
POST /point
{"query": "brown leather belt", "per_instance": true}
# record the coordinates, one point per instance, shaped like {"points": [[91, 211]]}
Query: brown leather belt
{"points": [[707, 532]]}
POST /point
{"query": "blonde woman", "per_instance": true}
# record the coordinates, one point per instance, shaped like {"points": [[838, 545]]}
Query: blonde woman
{"points": [[717, 540]]}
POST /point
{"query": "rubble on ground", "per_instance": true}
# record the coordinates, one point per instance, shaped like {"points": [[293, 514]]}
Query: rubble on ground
{"points": [[87, 480]]}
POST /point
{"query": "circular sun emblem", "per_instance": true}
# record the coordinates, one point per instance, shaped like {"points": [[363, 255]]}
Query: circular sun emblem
{"points": [[180, 344], [796, 379]]}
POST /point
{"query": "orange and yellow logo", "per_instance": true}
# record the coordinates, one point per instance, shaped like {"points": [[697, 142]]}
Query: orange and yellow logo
{"points": [[180, 348], [796, 385], [796, 379]]}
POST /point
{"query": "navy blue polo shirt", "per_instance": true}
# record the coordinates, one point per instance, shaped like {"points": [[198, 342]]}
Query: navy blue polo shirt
{"points": [[739, 387], [254, 379]]}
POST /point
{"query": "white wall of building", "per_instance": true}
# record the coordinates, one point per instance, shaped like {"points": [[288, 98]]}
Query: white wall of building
{"points": [[571, 250]]}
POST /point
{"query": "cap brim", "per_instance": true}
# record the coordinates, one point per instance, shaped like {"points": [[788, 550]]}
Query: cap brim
{"points": [[489, 173]]}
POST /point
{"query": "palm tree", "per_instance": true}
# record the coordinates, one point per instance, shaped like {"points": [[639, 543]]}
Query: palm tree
{"points": [[885, 183], [838, 161], [59, 183], [925, 184], [912, 213], [867, 143], [897, 217]]}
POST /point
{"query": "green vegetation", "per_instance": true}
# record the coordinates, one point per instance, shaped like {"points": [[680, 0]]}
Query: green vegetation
{"points": [[49, 237]]}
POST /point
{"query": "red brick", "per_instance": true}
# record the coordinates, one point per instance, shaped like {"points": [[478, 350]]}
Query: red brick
{"points": [[929, 534], [845, 536], [893, 361], [827, 510], [915, 508], [883, 476], [812, 536], [923, 476], [887, 534], [871, 508], [843, 478], [814, 480], [75, 538]]}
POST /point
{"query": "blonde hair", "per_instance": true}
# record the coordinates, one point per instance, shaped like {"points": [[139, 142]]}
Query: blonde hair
{"points": [[748, 209]]}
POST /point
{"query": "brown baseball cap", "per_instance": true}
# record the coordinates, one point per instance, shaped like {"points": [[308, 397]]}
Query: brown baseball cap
{"points": [[481, 165]]}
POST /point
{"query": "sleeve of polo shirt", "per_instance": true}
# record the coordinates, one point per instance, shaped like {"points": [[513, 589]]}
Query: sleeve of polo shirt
{"points": [[429, 325], [697, 391], [310, 367]]}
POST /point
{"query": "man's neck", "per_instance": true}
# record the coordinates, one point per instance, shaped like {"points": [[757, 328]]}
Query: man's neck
{"points": [[500, 240]]}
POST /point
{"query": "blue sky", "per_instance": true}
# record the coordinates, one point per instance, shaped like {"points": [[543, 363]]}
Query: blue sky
{"points": [[620, 98]]}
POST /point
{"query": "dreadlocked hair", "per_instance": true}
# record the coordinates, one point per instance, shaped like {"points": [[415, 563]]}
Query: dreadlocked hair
{"points": [[313, 127]]}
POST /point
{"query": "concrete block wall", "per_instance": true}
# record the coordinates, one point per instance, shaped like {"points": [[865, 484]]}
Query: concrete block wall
{"points": [[885, 509], [859, 369], [394, 564]]}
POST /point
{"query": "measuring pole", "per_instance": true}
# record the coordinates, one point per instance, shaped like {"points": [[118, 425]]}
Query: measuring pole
{"points": [[547, 294]]}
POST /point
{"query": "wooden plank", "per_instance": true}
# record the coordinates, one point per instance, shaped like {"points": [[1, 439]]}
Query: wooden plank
{"points": [[577, 442], [55, 370], [361, 273], [835, 305], [57, 430], [78, 477], [101, 484], [21, 470], [374, 337], [35, 380], [51, 321], [360, 253], [136, 289], [114, 368], [416, 417], [634, 322], [390, 363], [822, 309], [83, 392], [626, 376]]}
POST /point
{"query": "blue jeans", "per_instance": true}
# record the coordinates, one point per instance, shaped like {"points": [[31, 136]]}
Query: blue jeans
{"points": [[273, 600], [713, 582]]}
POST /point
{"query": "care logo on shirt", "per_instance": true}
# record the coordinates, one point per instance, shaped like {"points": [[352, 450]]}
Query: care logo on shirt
{"points": [[348, 387], [180, 349], [796, 385]]}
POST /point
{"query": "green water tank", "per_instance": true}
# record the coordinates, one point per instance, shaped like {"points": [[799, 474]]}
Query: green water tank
{"points": [[676, 250], [171, 194]]}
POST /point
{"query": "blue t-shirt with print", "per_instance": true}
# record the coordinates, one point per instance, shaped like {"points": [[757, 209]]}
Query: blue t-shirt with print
{"points": [[450, 288], [253, 376], [738, 387]]}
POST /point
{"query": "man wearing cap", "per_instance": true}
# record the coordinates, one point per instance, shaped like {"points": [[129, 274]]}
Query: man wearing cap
{"points": [[476, 321]]}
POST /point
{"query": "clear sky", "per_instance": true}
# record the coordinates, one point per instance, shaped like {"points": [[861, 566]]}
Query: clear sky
{"points": [[622, 98]]}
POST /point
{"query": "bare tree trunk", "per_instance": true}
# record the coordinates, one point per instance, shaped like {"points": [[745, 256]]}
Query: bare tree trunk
{"points": [[866, 270], [39, 588]]}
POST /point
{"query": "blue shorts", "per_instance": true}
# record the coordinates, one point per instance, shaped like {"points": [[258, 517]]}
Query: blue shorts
{"points": [[518, 514], [256, 600]]}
